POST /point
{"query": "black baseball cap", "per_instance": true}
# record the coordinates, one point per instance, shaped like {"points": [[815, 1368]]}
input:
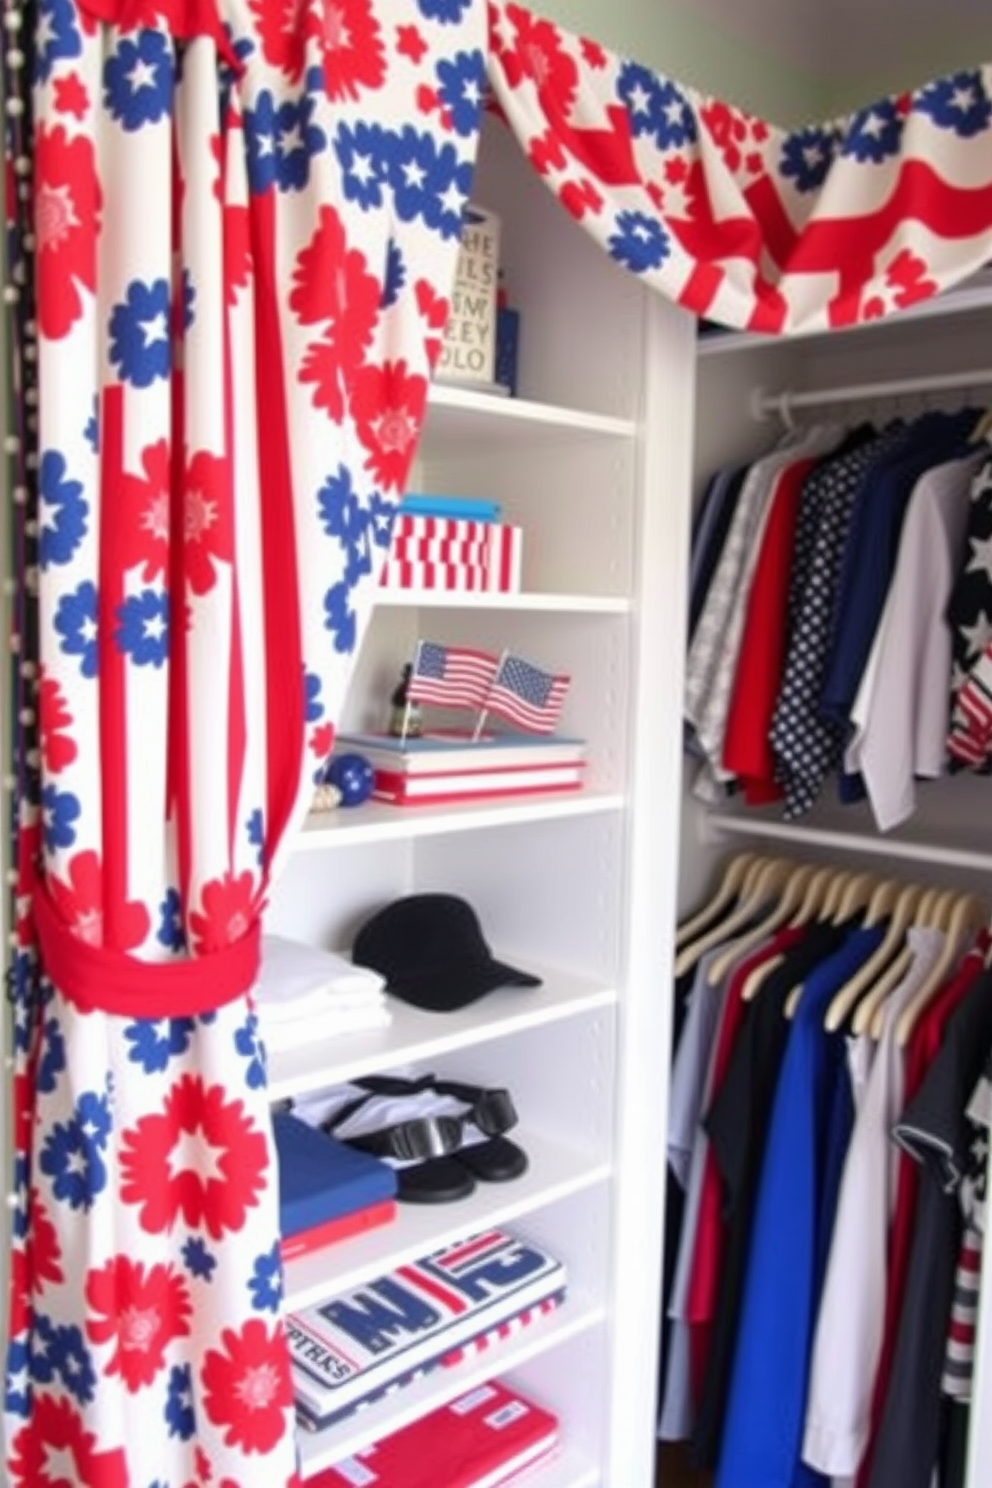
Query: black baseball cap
{"points": [[433, 954]]}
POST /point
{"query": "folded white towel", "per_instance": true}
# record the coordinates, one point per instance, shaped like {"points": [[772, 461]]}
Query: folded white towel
{"points": [[296, 980]]}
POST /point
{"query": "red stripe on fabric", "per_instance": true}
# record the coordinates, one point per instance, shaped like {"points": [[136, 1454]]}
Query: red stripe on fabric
{"points": [[471, 1248], [105, 979], [701, 288], [283, 661], [178, 773], [112, 672], [453, 1301], [962, 1332], [237, 726]]}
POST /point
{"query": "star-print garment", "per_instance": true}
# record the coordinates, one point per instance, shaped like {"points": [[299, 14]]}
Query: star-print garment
{"points": [[246, 230], [961, 1337], [970, 617]]}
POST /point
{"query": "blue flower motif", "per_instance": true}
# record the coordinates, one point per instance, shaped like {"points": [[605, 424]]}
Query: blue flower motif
{"points": [[875, 133], [52, 1061], [92, 431], [311, 698], [18, 1395], [461, 89], [56, 35], [266, 1283], [75, 622], [71, 1155], [382, 513], [143, 631], [656, 107], [641, 243], [170, 931], [138, 79], [395, 276], [22, 992], [255, 827], [340, 510], [448, 12], [59, 809], [197, 1258], [189, 300], [339, 618], [281, 142], [140, 347], [428, 181], [249, 1046], [179, 1414], [959, 102], [807, 155], [361, 150], [42, 1357], [73, 1362], [154, 1041], [260, 133]]}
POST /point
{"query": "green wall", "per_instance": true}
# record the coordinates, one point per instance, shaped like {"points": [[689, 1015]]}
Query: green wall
{"points": [[914, 61]]}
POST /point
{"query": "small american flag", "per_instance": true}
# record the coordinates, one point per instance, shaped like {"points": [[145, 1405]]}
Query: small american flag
{"points": [[452, 676], [526, 695]]}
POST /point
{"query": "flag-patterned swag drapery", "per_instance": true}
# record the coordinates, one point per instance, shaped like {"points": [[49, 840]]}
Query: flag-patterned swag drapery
{"points": [[231, 227]]}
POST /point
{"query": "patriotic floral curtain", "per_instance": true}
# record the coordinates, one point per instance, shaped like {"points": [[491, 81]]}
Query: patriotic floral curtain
{"points": [[231, 232], [755, 227], [243, 225]]}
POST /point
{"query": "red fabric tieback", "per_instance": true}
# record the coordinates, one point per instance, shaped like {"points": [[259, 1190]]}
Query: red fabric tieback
{"points": [[184, 20], [97, 979]]}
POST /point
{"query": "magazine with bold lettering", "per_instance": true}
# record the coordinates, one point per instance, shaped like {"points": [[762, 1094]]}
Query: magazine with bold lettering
{"points": [[363, 1342], [481, 1440]]}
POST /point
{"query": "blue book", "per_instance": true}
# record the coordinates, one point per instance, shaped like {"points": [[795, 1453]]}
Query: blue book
{"points": [[321, 1179], [467, 507]]}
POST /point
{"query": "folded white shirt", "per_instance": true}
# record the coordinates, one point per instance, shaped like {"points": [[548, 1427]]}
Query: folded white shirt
{"points": [[296, 980]]}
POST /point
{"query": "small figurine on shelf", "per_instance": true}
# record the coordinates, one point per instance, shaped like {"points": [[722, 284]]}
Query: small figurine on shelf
{"points": [[405, 718]]}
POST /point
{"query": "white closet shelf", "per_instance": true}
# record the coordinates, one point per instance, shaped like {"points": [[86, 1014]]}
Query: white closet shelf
{"points": [[554, 1172], [975, 295], [318, 1450], [560, 604], [913, 850], [415, 1036], [569, 1469], [379, 822], [461, 415]]}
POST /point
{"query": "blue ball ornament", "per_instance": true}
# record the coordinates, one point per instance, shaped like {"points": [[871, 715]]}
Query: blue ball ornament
{"points": [[354, 777]]}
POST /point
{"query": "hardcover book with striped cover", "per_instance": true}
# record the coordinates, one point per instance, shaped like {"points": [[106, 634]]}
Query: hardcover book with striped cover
{"points": [[367, 1341]]}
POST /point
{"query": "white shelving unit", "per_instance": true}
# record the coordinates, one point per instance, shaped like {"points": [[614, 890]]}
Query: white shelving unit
{"points": [[578, 886]]}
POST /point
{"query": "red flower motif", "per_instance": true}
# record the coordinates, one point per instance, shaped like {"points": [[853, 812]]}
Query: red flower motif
{"points": [[58, 748], [907, 275], [434, 309], [410, 43], [546, 153], [237, 251], [46, 1253], [580, 197], [322, 740], [230, 908], [80, 904], [278, 25], [55, 1451], [19, 1292], [203, 1466], [208, 520], [67, 204], [537, 53], [592, 53], [354, 56], [332, 286], [388, 405], [142, 1312], [201, 1159], [247, 1386], [71, 96], [729, 129], [144, 514]]}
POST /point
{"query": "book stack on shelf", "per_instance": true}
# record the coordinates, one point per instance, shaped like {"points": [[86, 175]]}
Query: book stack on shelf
{"points": [[327, 1191], [432, 1313], [450, 765], [455, 543], [484, 1439]]}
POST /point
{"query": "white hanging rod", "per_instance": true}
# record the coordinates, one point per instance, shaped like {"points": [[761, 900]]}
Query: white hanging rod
{"points": [[766, 404], [721, 824]]}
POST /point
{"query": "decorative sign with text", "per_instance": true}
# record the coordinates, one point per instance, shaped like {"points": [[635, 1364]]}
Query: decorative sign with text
{"points": [[468, 352]]}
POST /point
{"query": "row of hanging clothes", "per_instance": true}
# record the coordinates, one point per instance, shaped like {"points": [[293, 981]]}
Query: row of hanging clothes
{"points": [[841, 615], [830, 1104]]}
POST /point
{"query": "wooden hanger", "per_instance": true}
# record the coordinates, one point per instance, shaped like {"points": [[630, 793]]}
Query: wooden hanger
{"points": [[856, 895], [812, 907], [753, 897], [966, 913], [789, 901], [728, 889], [846, 999], [983, 429]]}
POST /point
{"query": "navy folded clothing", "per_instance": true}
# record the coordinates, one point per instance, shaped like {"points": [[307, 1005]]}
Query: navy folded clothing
{"points": [[322, 1179]]}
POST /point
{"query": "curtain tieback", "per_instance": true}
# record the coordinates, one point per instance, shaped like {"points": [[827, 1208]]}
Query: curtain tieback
{"points": [[98, 979]]}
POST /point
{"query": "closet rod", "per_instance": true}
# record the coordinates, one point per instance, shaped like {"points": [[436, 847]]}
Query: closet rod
{"points": [[765, 404], [720, 824]]}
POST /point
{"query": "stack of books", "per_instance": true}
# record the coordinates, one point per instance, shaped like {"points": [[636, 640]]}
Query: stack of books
{"points": [[429, 1314], [481, 1440], [448, 765], [327, 1191]]}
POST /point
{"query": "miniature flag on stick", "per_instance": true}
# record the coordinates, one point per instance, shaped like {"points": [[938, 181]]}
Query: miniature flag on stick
{"points": [[451, 676], [525, 695]]}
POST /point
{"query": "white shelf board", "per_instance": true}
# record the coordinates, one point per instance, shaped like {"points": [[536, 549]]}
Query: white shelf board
{"points": [[975, 295], [554, 1172], [456, 413], [911, 849], [320, 1449], [554, 604], [377, 821], [416, 1036], [567, 1469]]}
